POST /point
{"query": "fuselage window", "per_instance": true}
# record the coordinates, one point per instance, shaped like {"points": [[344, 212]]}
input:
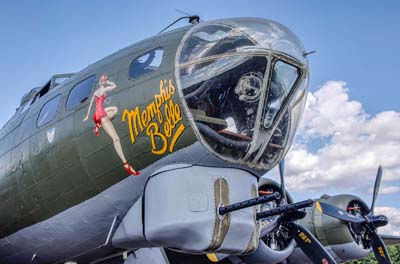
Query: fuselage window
{"points": [[146, 63], [48, 111], [80, 92]]}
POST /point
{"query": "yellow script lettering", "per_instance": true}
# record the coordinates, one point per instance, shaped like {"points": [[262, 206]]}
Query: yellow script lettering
{"points": [[168, 115]]}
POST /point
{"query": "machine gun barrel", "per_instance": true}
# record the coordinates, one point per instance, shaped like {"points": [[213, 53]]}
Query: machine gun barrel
{"points": [[285, 209], [248, 203]]}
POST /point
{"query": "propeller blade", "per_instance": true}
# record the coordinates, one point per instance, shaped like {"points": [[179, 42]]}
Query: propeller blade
{"points": [[380, 250], [282, 176], [338, 213], [376, 189], [309, 244]]}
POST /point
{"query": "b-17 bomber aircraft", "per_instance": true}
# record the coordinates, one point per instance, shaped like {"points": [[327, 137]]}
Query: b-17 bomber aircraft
{"points": [[155, 154]]}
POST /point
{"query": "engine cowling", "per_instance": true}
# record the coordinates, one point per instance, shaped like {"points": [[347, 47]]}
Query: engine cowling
{"points": [[275, 244], [338, 237]]}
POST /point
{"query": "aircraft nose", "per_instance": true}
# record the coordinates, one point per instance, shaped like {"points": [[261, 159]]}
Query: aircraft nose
{"points": [[235, 77]]}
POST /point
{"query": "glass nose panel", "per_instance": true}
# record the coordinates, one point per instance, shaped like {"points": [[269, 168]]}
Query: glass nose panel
{"points": [[231, 100], [211, 40], [223, 96], [283, 78]]}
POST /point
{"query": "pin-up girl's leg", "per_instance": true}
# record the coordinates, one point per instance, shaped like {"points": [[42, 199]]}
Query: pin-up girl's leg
{"points": [[110, 130], [111, 111]]}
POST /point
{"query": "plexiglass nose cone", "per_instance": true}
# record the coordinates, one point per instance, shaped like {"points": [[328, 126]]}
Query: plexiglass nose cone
{"points": [[243, 83]]}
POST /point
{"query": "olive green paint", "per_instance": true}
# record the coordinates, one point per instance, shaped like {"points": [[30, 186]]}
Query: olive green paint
{"points": [[39, 179]]}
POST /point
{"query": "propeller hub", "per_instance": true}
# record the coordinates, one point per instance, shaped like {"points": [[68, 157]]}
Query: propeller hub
{"points": [[378, 220]]}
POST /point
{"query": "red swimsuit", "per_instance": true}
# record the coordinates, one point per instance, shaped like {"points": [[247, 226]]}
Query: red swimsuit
{"points": [[100, 112]]}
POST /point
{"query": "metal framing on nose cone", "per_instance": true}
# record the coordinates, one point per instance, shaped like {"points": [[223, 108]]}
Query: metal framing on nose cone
{"points": [[275, 56], [262, 136]]}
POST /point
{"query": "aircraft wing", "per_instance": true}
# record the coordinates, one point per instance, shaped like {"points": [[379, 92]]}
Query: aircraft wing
{"points": [[390, 240]]}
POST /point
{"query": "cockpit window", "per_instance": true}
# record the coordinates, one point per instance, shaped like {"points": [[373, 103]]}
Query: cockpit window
{"points": [[80, 92], [60, 80], [26, 106], [283, 78], [48, 111], [146, 63]]}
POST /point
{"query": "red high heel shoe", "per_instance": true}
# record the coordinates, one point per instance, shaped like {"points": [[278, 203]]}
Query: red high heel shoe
{"points": [[127, 168]]}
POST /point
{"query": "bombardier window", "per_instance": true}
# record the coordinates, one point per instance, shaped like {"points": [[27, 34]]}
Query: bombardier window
{"points": [[80, 92], [48, 111], [236, 77], [283, 78], [214, 40], [223, 96], [146, 63]]}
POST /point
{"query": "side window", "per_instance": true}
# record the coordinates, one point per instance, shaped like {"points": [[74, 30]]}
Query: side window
{"points": [[80, 92], [48, 111], [146, 63]]}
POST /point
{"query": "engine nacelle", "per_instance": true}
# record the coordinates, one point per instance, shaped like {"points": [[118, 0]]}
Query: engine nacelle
{"points": [[337, 236], [272, 247]]}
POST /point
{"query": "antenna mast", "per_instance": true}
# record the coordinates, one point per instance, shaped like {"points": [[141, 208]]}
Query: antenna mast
{"points": [[192, 20]]}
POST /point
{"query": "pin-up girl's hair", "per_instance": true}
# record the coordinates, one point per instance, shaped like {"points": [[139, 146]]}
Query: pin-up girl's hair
{"points": [[104, 75]]}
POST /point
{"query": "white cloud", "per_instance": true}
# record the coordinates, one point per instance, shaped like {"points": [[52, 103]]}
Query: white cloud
{"points": [[387, 190], [393, 228], [340, 146], [354, 144]]}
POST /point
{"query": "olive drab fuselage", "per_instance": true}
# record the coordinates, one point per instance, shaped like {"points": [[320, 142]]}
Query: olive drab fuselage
{"points": [[45, 170]]}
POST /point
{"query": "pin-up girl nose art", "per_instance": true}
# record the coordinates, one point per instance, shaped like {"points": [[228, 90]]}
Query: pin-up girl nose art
{"points": [[102, 118]]}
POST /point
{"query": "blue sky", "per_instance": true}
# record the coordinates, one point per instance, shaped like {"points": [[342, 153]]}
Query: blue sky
{"points": [[356, 42]]}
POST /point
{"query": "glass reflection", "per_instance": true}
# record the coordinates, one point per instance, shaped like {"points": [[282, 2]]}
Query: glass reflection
{"points": [[223, 97], [283, 78], [214, 40]]}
